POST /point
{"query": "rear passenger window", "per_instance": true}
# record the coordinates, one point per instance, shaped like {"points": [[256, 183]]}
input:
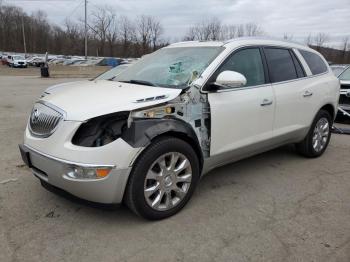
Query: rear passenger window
{"points": [[281, 65], [315, 62]]}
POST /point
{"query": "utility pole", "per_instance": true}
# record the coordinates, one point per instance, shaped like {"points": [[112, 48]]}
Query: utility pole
{"points": [[24, 39], [85, 29]]}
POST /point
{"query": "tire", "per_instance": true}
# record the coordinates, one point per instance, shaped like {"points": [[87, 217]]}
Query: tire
{"points": [[171, 201], [308, 147]]}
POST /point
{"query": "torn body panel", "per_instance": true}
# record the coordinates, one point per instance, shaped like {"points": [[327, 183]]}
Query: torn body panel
{"points": [[189, 113]]}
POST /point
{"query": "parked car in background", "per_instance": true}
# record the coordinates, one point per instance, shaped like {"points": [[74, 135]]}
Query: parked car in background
{"points": [[4, 60], [112, 73], [17, 61], [108, 75], [36, 61], [146, 138], [343, 73]]}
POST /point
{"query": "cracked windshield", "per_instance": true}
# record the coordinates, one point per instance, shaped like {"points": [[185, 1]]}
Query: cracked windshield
{"points": [[174, 67]]}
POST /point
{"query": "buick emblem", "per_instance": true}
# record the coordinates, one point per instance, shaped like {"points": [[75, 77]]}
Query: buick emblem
{"points": [[35, 115]]}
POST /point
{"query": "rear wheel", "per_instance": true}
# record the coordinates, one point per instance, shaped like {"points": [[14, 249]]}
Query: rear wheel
{"points": [[163, 179], [317, 140]]}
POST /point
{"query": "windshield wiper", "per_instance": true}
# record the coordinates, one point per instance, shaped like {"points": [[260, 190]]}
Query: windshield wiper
{"points": [[138, 82]]}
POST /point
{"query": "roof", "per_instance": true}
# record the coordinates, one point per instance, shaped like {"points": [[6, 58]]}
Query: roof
{"points": [[243, 41]]}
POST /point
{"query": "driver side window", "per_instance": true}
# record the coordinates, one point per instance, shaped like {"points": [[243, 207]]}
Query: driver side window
{"points": [[248, 62]]}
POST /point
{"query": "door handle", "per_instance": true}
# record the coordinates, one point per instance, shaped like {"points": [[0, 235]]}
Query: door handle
{"points": [[307, 93], [266, 102]]}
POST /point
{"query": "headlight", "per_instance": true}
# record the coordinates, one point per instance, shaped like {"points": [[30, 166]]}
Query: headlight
{"points": [[78, 172], [101, 130]]}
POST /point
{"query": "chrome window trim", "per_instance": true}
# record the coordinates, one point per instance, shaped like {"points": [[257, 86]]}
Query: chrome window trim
{"points": [[240, 88], [299, 79], [296, 52]]}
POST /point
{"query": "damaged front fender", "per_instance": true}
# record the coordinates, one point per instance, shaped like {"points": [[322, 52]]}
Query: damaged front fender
{"points": [[142, 131]]}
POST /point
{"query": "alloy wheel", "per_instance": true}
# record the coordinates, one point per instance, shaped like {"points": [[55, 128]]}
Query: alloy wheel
{"points": [[167, 181], [320, 135]]}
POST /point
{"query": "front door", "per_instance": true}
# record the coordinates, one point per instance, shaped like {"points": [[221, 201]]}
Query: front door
{"points": [[242, 118]]}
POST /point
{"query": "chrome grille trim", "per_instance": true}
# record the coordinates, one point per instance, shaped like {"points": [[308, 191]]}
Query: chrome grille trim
{"points": [[44, 119]]}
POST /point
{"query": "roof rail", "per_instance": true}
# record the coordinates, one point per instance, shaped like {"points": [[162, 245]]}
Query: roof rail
{"points": [[262, 38], [184, 42]]}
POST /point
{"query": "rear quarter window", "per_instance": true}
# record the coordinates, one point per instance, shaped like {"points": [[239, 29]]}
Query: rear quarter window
{"points": [[315, 62]]}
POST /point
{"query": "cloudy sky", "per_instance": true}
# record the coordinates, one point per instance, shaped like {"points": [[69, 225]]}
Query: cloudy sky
{"points": [[276, 17]]}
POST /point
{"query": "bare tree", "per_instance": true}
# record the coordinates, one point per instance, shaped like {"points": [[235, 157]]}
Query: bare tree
{"points": [[252, 29], [108, 34], [309, 40], [156, 32], [214, 30], [288, 37], [205, 30], [127, 34], [148, 30], [143, 29], [102, 20], [346, 47], [320, 40], [228, 32]]}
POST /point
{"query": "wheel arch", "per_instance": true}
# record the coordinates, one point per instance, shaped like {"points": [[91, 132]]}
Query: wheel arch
{"points": [[143, 132], [330, 109]]}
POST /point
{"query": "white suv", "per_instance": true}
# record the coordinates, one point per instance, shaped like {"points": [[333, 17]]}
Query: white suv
{"points": [[146, 137], [17, 61]]}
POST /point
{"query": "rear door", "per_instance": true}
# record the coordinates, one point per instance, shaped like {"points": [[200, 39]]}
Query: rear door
{"points": [[241, 118], [294, 93]]}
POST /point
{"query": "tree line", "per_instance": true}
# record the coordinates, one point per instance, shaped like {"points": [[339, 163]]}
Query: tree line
{"points": [[120, 36], [108, 35]]}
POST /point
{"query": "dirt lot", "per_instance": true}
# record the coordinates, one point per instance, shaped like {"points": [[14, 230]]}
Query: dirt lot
{"points": [[276, 206], [56, 71]]}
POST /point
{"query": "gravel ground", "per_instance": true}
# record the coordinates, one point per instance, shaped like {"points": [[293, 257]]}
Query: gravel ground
{"points": [[276, 206], [56, 71]]}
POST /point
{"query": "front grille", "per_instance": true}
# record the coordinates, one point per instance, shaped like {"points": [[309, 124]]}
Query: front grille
{"points": [[44, 120], [344, 86]]}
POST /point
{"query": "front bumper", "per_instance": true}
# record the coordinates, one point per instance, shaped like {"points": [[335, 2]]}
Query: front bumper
{"points": [[344, 101], [20, 65], [52, 170]]}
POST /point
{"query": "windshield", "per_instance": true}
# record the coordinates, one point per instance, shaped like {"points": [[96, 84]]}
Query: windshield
{"points": [[112, 73], [18, 57], [174, 67], [345, 75]]}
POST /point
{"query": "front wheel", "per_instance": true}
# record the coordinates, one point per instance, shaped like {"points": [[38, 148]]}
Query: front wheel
{"points": [[163, 179], [318, 137]]}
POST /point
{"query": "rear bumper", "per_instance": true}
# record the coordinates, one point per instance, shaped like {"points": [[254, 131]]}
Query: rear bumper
{"points": [[108, 190]]}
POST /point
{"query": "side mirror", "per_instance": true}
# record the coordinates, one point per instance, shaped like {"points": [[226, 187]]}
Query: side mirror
{"points": [[230, 79]]}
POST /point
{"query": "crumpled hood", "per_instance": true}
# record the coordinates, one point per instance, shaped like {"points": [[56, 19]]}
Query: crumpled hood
{"points": [[87, 99]]}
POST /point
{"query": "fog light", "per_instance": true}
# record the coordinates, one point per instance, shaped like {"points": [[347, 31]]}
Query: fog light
{"points": [[78, 172]]}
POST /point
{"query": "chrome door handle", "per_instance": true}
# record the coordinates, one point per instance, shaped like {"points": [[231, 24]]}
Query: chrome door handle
{"points": [[307, 93], [266, 102]]}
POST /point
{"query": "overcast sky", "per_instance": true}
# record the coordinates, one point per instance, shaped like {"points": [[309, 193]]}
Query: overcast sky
{"points": [[276, 17]]}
